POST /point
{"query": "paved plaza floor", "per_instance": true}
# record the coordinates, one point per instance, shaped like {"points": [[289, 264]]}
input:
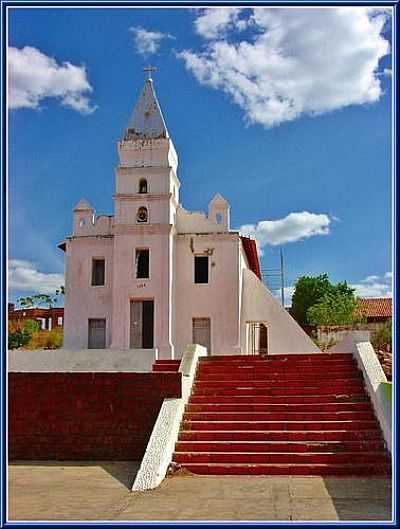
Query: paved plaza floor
{"points": [[101, 491]]}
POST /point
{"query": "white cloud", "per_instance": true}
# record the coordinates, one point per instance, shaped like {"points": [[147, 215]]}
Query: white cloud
{"points": [[24, 276], [287, 295], [294, 227], [214, 23], [296, 61], [370, 279], [33, 76], [374, 286], [148, 42]]}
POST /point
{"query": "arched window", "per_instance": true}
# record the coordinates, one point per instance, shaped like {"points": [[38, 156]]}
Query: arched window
{"points": [[143, 185], [142, 215], [82, 222], [218, 218]]}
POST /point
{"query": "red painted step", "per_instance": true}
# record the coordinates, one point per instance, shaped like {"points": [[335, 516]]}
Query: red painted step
{"points": [[278, 382], [317, 365], [339, 389], [280, 446], [287, 414], [276, 399], [166, 365], [280, 416], [258, 374], [285, 407], [289, 469], [278, 425], [304, 357], [285, 435], [305, 458]]}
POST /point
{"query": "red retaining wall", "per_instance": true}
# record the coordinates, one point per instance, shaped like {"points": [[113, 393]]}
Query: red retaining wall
{"points": [[85, 416]]}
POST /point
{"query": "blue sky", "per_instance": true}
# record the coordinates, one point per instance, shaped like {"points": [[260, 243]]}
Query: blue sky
{"points": [[291, 126]]}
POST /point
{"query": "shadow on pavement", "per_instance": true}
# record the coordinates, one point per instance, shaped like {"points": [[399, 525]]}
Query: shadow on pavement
{"points": [[361, 499], [123, 471]]}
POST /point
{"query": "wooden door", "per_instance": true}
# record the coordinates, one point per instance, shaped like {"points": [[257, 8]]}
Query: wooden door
{"points": [[142, 324], [136, 325]]}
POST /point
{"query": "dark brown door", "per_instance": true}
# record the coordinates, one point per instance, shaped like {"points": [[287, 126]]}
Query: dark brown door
{"points": [[263, 339], [148, 324]]}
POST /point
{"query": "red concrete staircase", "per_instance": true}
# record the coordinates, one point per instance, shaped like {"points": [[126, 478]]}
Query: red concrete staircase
{"points": [[166, 365], [287, 414]]}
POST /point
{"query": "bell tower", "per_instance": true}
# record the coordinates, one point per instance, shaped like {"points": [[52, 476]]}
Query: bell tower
{"points": [[146, 198]]}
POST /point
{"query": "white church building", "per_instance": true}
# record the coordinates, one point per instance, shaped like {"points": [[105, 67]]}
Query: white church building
{"points": [[155, 276]]}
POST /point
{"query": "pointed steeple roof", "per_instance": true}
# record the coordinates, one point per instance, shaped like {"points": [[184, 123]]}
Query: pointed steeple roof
{"points": [[83, 205], [147, 121], [219, 199]]}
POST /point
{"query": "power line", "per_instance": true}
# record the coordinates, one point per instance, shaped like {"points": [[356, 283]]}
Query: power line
{"points": [[274, 278]]}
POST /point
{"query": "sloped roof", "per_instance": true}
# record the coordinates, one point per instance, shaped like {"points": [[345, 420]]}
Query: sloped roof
{"points": [[376, 307], [147, 121], [250, 248]]}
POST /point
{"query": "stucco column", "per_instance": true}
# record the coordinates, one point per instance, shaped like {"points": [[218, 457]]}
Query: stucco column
{"points": [[164, 318]]}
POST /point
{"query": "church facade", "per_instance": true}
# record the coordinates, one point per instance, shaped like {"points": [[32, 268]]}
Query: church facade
{"points": [[155, 276]]}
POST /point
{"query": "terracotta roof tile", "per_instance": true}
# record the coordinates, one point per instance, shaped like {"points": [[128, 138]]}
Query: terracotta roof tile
{"points": [[376, 307]]}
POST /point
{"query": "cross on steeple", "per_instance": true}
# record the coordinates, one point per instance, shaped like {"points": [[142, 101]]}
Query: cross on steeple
{"points": [[149, 69]]}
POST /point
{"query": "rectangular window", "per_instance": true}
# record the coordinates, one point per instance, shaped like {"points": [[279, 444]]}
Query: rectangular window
{"points": [[201, 269], [97, 334], [142, 264], [98, 272]]}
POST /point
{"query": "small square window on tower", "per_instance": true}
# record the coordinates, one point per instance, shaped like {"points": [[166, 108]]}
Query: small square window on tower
{"points": [[142, 268], [98, 272], [201, 268]]}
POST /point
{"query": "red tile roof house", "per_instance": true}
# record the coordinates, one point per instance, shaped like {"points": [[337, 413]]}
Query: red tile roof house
{"points": [[48, 318], [377, 310]]}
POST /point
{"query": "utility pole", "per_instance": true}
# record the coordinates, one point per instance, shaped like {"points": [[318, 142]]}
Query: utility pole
{"points": [[282, 280], [274, 278]]}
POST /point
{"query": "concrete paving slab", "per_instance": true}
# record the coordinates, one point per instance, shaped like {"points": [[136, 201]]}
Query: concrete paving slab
{"points": [[101, 491]]}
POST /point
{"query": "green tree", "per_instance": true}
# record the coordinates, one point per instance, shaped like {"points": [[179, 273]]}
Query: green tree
{"points": [[383, 337], [31, 326], [338, 307], [308, 291], [42, 299], [19, 335], [331, 304]]}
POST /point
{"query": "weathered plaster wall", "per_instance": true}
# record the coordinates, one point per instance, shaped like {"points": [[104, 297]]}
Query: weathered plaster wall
{"points": [[196, 222], [148, 153], [85, 416], [258, 304], [158, 179], [100, 225], [84, 360], [82, 300], [157, 287], [217, 300]]}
